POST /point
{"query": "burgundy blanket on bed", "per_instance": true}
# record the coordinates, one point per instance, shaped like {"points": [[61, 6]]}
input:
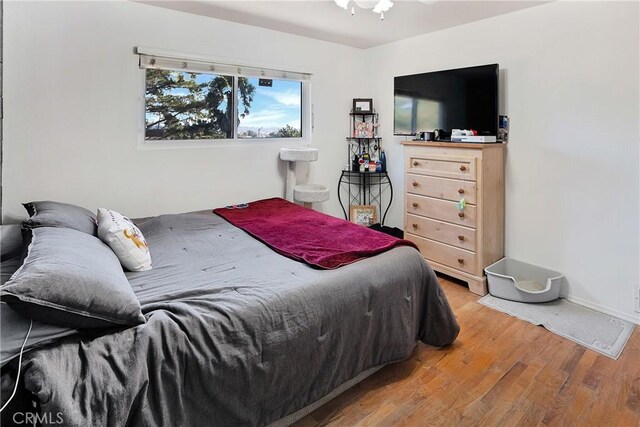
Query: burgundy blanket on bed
{"points": [[309, 236]]}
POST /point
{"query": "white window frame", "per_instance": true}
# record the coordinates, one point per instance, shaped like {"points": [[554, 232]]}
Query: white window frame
{"points": [[306, 106]]}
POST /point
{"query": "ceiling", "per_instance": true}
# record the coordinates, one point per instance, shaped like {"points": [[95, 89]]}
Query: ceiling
{"points": [[324, 20]]}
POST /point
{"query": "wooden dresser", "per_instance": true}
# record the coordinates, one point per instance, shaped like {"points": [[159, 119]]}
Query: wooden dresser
{"points": [[457, 242]]}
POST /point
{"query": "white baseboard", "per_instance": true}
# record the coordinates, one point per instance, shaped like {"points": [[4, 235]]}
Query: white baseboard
{"points": [[607, 310]]}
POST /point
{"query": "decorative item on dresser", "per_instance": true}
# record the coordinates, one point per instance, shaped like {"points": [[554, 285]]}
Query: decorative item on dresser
{"points": [[454, 207]]}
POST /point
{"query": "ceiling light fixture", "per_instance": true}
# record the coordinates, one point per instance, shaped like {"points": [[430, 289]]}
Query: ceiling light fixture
{"points": [[377, 6]]}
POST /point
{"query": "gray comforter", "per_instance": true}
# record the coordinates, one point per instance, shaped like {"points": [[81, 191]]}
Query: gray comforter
{"points": [[237, 334]]}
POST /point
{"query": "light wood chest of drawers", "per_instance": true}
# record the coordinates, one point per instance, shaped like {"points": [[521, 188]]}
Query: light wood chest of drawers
{"points": [[459, 243]]}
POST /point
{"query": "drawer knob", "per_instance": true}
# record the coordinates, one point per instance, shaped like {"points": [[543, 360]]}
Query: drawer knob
{"points": [[461, 238], [414, 225], [463, 168], [415, 163], [415, 184], [414, 204], [460, 261], [460, 190], [461, 214]]}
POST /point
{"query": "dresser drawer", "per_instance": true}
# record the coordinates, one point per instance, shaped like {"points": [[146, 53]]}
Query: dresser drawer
{"points": [[445, 254], [454, 235], [443, 210], [441, 188], [443, 166]]}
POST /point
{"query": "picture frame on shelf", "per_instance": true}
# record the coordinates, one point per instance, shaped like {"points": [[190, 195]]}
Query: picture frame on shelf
{"points": [[365, 215], [363, 105], [363, 129]]}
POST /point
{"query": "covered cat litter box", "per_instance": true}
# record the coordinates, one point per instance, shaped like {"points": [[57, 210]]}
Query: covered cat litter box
{"points": [[518, 281]]}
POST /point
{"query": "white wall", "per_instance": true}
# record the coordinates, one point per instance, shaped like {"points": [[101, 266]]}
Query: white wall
{"points": [[72, 88], [570, 87]]}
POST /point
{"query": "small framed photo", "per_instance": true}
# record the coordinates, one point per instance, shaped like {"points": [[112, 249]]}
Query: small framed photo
{"points": [[364, 215], [363, 105]]}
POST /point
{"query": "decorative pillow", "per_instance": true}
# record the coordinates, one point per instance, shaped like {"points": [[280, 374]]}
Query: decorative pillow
{"points": [[125, 239], [71, 279], [55, 214]]}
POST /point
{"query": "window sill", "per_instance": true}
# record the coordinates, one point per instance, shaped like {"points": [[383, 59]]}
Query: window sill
{"points": [[220, 143]]}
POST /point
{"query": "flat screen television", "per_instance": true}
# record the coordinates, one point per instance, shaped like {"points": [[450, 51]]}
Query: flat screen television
{"points": [[464, 98]]}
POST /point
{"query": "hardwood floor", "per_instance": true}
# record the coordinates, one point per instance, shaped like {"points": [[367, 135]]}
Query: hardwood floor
{"points": [[501, 371]]}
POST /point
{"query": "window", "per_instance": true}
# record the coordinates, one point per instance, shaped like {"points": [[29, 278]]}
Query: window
{"points": [[183, 105], [274, 110], [187, 100]]}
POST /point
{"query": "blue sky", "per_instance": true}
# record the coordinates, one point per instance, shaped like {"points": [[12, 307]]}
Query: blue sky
{"points": [[274, 107]]}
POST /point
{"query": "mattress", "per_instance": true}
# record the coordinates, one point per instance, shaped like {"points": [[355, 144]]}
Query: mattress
{"points": [[237, 333]]}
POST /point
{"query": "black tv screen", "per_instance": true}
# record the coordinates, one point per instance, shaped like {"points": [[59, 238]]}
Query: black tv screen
{"points": [[464, 98]]}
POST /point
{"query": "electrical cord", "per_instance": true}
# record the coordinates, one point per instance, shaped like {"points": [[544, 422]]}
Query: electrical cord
{"points": [[19, 366]]}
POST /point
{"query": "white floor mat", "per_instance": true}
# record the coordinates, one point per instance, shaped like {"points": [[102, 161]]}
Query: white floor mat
{"points": [[598, 331]]}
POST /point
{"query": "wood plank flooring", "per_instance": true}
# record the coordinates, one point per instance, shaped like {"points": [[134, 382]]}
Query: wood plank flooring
{"points": [[501, 371]]}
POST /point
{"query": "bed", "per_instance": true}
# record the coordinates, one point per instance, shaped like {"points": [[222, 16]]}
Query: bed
{"points": [[237, 334]]}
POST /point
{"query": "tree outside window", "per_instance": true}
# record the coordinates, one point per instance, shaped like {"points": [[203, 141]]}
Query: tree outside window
{"points": [[184, 105]]}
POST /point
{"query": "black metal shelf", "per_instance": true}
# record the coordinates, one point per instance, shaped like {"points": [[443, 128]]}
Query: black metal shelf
{"points": [[362, 173], [365, 188]]}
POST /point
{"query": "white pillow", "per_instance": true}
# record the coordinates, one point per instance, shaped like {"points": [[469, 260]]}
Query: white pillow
{"points": [[124, 239]]}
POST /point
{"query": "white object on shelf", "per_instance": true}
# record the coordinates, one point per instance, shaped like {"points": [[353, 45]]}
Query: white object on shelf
{"points": [[310, 193], [518, 281], [473, 138], [300, 154], [306, 193]]}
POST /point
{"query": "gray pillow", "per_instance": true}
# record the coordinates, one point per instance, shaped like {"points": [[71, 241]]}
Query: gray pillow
{"points": [[10, 241], [56, 214], [71, 279], [14, 327]]}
